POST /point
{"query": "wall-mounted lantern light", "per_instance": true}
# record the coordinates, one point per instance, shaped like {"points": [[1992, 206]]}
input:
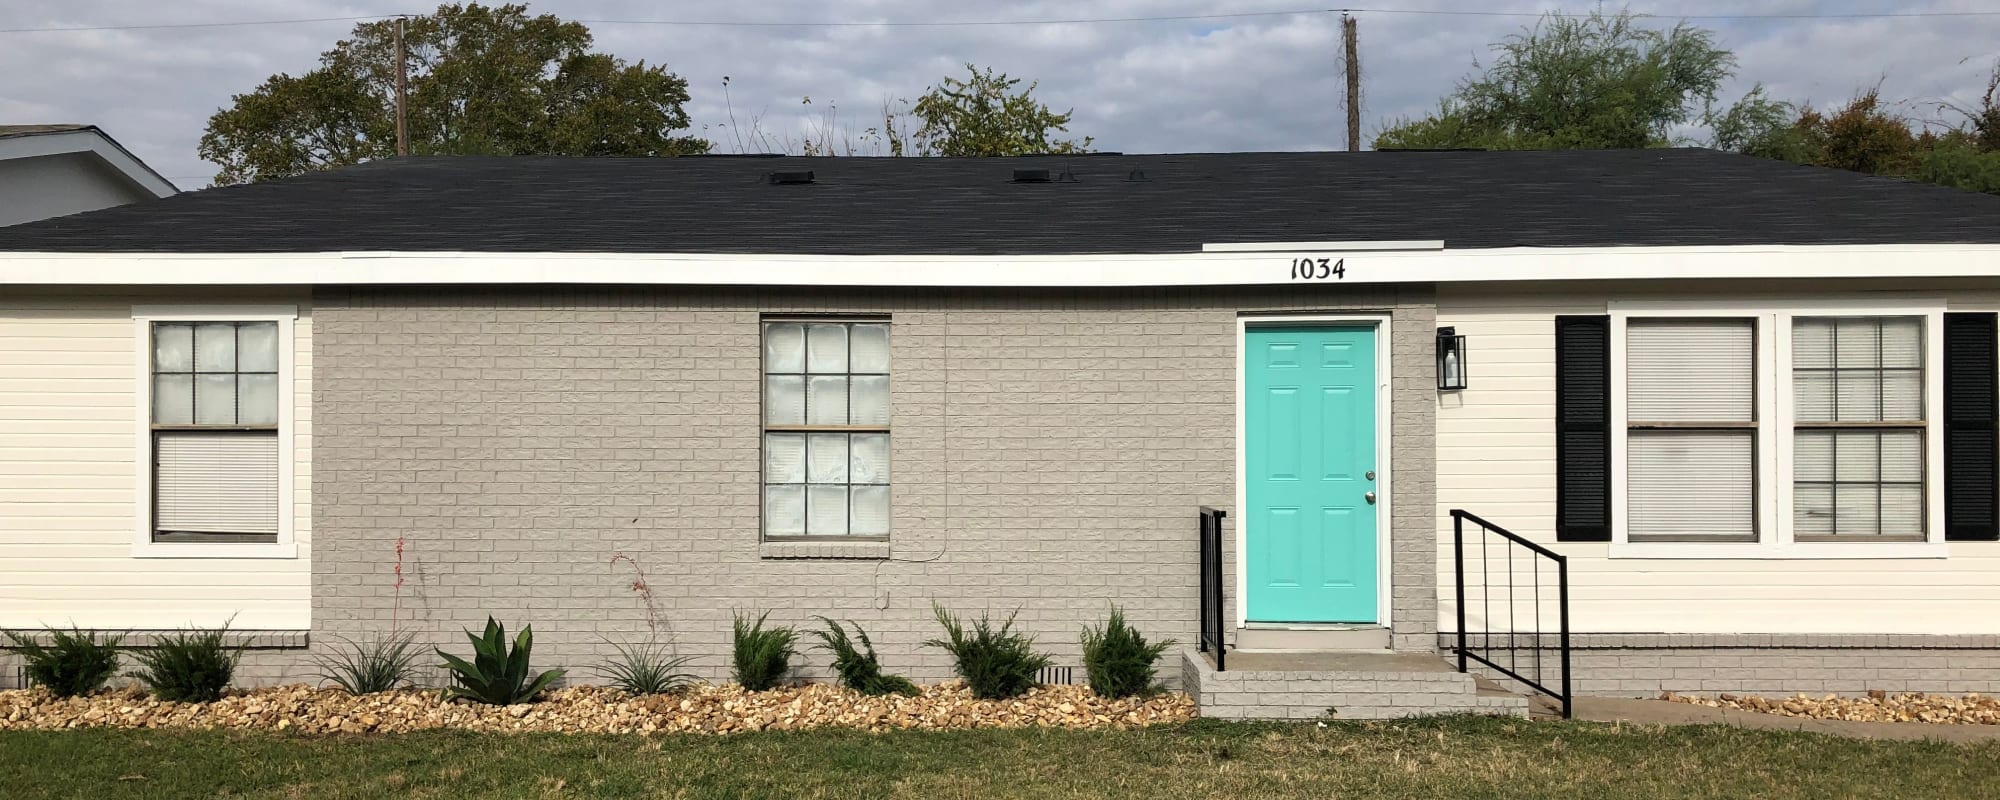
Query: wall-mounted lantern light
{"points": [[1451, 360]]}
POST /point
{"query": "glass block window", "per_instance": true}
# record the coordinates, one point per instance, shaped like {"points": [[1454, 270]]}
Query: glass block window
{"points": [[215, 397], [1858, 417], [826, 428]]}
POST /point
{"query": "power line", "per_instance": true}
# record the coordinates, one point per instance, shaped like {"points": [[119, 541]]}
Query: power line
{"points": [[1052, 21], [1859, 15], [196, 24], [1291, 12], [958, 23]]}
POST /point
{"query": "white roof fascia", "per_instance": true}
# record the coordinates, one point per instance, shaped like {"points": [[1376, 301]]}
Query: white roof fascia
{"points": [[1173, 269]]}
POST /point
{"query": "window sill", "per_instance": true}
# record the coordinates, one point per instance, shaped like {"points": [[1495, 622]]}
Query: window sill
{"points": [[278, 550], [1769, 550], [867, 550]]}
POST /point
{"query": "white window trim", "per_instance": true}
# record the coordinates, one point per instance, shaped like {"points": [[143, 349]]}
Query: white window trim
{"points": [[1774, 415], [143, 318]]}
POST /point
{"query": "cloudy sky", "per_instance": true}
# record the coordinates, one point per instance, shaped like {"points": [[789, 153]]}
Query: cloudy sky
{"points": [[1244, 83]]}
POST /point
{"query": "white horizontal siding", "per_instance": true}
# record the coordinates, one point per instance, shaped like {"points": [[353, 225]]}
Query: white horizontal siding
{"points": [[1496, 458], [67, 467]]}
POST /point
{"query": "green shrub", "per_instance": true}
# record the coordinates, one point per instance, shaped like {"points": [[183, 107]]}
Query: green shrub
{"points": [[859, 669], [762, 656], [1119, 660], [375, 665], [497, 675], [190, 666], [646, 668], [74, 662], [996, 664]]}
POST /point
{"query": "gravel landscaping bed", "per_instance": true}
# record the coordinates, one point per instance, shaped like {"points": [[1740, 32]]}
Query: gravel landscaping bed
{"points": [[591, 709], [1971, 709]]}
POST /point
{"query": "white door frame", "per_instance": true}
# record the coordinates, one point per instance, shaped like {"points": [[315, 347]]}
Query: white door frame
{"points": [[1383, 550]]}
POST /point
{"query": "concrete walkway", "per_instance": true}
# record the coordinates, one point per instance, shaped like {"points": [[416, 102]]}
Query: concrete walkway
{"points": [[1660, 712]]}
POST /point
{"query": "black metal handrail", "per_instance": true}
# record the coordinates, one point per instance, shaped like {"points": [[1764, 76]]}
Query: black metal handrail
{"points": [[1211, 584], [1511, 542]]}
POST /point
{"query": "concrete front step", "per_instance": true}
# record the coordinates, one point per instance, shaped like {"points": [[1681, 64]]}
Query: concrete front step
{"points": [[1311, 637], [1338, 685]]}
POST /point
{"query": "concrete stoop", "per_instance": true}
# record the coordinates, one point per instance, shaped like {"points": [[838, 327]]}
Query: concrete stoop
{"points": [[1340, 685]]}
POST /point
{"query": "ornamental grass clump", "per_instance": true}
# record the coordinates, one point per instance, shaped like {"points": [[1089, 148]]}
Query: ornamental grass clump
{"points": [[858, 667], [647, 668], [377, 664], [1119, 659], [763, 655], [189, 666], [996, 664], [73, 662], [497, 674]]}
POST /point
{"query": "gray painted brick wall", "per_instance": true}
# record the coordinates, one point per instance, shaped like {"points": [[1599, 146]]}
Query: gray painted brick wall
{"points": [[1049, 451]]}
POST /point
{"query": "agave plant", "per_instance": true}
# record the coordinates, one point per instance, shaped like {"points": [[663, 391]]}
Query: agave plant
{"points": [[497, 675]]}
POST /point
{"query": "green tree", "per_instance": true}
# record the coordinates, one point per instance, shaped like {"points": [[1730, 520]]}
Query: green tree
{"points": [[482, 80], [1570, 82], [983, 115], [1861, 136]]}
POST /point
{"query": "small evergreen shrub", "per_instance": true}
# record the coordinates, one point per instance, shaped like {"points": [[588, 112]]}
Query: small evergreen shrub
{"points": [[1120, 660], [74, 661], [377, 664], [646, 668], [996, 664], [763, 655], [190, 666], [497, 674], [858, 668]]}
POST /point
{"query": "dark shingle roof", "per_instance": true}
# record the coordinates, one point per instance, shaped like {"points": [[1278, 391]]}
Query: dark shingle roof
{"points": [[971, 206]]}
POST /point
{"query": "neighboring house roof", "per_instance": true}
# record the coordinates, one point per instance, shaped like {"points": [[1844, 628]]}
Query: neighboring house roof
{"points": [[7, 131], [55, 170], [960, 206]]}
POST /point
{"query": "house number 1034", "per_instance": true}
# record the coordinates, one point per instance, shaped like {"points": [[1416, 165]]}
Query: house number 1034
{"points": [[1318, 269]]}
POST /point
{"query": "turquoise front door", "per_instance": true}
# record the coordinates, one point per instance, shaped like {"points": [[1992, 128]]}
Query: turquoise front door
{"points": [[1309, 467]]}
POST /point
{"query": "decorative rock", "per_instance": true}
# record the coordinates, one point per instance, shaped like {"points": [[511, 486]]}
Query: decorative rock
{"points": [[1878, 706], [591, 709]]}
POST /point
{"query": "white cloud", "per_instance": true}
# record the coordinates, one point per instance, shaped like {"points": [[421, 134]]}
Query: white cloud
{"points": [[1268, 82]]}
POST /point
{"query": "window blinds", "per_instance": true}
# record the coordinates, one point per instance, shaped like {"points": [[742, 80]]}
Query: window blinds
{"points": [[1691, 394], [1701, 370], [212, 485]]}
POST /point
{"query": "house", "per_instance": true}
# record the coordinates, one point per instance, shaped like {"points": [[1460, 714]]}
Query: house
{"points": [[1680, 420], [53, 170]]}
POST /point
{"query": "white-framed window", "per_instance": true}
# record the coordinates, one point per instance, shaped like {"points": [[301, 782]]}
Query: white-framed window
{"points": [[215, 431], [826, 428], [1749, 430]]}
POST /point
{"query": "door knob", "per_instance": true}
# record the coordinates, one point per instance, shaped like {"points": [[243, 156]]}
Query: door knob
{"points": [[1370, 497]]}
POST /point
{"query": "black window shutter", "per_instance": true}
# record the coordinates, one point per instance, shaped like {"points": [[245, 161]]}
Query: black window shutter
{"points": [[1971, 410], [1583, 429]]}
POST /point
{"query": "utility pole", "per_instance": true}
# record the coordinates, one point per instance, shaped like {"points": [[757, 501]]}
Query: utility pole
{"points": [[402, 99], [1348, 36]]}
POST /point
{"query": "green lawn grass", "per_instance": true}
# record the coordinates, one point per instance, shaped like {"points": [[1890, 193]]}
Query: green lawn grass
{"points": [[1462, 757]]}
